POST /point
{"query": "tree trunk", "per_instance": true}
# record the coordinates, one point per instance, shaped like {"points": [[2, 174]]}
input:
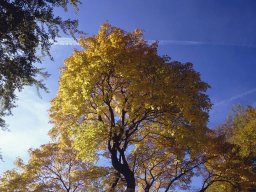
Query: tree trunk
{"points": [[130, 181], [123, 168]]}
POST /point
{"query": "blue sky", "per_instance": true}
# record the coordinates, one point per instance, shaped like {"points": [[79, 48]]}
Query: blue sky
{"points": [[217, 36]]}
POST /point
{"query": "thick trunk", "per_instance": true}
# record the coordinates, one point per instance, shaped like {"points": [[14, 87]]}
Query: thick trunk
{"points": [[123, 168], [130, 181]]}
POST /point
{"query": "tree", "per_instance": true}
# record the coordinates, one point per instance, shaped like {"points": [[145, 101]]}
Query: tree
{"points": [[240, 129], [117, 88], [232, 147], [53, 167], [25, 27]]}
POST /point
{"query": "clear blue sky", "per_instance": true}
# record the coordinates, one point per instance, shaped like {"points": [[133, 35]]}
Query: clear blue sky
{"points": [[217, 36]]}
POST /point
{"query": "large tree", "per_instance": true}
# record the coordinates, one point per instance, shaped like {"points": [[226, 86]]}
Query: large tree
{"points": [[26, 27], [117, 89]]}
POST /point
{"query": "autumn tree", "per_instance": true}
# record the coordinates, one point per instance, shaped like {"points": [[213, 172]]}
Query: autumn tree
{"points": [[53, 168], [232, 147], [26, 27], [116, 89], [240, 130]]}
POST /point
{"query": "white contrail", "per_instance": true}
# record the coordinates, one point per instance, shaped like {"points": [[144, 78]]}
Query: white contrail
{"points": [[181, 42], [178, 42], [235, 97], [67, 41]]}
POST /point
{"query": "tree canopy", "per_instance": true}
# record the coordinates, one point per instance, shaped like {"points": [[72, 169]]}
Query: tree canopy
{"points": [[53, 168], [119, 91], [27, 26]]}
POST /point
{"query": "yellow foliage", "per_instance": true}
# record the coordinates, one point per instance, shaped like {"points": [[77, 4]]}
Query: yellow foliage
{"points": [[242, 130], [118, 89], [52, 167]]}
